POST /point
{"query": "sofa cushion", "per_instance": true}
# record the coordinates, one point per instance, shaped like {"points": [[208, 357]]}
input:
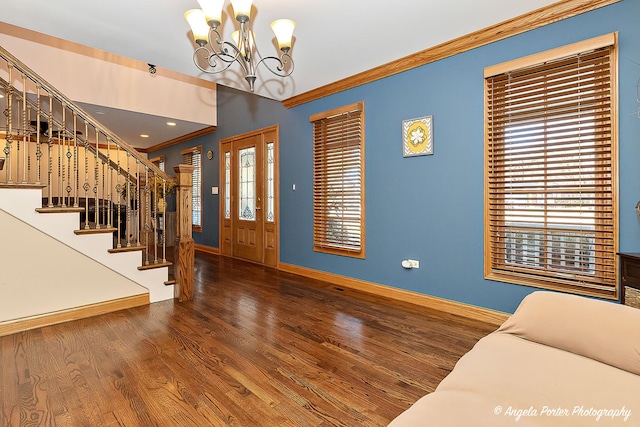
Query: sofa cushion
{"points": [[600, 330], [507, 381]]}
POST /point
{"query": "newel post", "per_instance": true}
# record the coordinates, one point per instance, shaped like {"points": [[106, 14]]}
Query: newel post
{"points": [[184, 249]]}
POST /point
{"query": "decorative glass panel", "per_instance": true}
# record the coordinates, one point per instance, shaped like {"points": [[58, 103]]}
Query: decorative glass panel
{"points": [[247, 184], [227, 185], [270, 179], [196, 190]]}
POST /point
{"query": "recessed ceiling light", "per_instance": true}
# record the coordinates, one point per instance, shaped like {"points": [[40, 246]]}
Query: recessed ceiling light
{"points": [[100, 112], [171, 123], [1, 95], [144, 135]]}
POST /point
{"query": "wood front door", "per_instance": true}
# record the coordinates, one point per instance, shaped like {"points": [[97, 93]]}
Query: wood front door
{"points": [[248, 202]]}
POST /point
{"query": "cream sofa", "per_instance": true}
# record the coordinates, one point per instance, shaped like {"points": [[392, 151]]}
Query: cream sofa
{"points": [[559, 360]]}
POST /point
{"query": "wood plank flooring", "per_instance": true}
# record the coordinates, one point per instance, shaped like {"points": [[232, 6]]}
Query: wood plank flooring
{"points": [[256, 347]]}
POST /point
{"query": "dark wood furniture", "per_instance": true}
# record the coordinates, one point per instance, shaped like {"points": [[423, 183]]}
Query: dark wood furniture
{"points": [[630, 278]]}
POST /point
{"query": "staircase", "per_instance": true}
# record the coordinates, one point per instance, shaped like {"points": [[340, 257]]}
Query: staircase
{"points": [[66, 178]]}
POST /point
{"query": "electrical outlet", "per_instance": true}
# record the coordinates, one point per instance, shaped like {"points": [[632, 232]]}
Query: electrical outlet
{"points": [[410, 263]]}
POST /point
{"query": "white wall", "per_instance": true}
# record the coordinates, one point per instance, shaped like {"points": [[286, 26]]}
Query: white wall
{"points": [[90, 76], [48, 276]]}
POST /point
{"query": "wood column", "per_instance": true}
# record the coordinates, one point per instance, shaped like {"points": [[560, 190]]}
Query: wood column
{"points": [[184, 248]]}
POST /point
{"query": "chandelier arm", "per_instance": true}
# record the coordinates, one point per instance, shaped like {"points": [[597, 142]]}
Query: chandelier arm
{"points": [[281, 62], [223, 48], [237, 55], [228, 53], [210, 57]]}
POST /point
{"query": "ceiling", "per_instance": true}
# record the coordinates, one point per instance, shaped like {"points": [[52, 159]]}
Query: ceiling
{"points": [[334, 39]]}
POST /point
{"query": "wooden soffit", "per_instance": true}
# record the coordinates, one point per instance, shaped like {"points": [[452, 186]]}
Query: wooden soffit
{"points": [[530, 21], [175, 141]]}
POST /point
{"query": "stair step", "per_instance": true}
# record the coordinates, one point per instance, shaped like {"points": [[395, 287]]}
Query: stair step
{"points": [[159, 264], [126, 249], [60, 209], [170, 282], [95, 230], [21, 185], [18, 200]]}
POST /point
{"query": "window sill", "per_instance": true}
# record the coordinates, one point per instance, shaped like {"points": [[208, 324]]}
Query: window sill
{"points": [[554, 285]]}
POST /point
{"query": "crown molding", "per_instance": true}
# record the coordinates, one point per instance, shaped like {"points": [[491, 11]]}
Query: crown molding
{"points": [[178, 140], [538, 18]]}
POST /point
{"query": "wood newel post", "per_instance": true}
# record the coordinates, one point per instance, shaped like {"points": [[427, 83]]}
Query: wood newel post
{"points": [[184, 249]]}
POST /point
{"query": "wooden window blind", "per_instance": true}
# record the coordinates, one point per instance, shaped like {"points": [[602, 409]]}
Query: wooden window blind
{"points": [[193, 157], [550, 187], [338, 181]]}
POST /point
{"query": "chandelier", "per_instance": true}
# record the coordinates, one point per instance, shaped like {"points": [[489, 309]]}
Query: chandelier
{"points": [[220, 54]]}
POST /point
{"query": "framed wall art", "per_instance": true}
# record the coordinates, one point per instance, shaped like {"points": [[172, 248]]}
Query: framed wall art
{"points": [[417, 136]]}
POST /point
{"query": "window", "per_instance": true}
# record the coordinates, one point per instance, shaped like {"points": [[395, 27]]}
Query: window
{"points": [[193, 157], [271, 173], [338, 181], [159, 162], [227, 185], [551, 169]]}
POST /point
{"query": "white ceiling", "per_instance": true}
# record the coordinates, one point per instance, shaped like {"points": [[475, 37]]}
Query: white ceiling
{"points": [[333, 39]]}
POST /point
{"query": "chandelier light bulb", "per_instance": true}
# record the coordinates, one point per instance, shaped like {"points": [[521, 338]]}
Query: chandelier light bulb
{"points": [[242, 9], [198, 24], [212, 11], [283, 29]]}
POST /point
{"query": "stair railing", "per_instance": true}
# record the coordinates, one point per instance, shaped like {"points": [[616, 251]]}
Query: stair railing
{"points": [[51, 142]]}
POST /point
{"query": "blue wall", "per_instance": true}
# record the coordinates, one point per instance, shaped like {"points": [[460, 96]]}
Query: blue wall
{"points": [[238, 112], [428, 208]]}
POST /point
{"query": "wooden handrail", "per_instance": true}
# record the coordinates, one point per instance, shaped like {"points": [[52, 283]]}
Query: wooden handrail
{"points": [[50, 89], [53, 143]]}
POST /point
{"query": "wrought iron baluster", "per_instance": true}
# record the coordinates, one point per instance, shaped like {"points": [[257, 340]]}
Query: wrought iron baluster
{"points": [[24, 135], [96, 181], [147, 215], [164, 221], [38, 132], [138, 204], [154, 219], [86, 185], [66, 139], [102, 205], [50, 154], [76, 174], [8, 137], [59, 183], [118, 197], [129, 226], [109, 177]]}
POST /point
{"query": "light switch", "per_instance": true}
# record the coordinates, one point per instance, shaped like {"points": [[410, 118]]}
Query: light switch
{"points": [[214, 190]]}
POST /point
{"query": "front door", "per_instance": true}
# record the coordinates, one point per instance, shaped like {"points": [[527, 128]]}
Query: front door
{"points": [[248, 198]]}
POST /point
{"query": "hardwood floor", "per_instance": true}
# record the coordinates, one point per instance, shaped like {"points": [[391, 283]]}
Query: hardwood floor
{"points": [[256, 347]]}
